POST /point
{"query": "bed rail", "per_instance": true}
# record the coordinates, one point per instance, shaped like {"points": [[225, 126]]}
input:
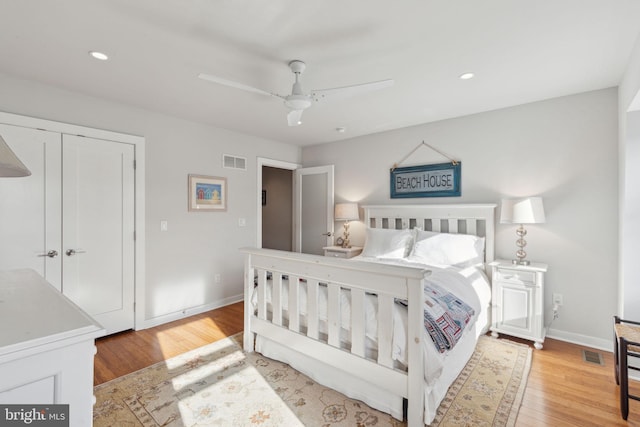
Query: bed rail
{"points": [[359, 278]]}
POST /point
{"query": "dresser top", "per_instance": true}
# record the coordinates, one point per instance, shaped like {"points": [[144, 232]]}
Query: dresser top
{"points": [[34, 313]]}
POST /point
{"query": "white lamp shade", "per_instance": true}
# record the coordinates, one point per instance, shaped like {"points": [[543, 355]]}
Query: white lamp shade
{"points": [[346, 212], [10, 165], [522, 211]]}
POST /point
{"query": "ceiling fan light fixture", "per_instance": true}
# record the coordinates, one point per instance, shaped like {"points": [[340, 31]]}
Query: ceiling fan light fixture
{"points": [[297, 102], [98, 55]]}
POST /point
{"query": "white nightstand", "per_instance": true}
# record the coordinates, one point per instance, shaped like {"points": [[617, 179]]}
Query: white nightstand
{"points": [[518, 300], [340, 252]]}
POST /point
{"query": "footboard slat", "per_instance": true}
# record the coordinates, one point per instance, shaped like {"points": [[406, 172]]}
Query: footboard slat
{"points": [[294, 304], [312, 304], [357, 322], [385, 330], [333, 314], [262, 294], [276, 299]]}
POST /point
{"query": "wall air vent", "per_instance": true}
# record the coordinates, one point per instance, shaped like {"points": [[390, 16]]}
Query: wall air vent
{"points": [[234, 162]]}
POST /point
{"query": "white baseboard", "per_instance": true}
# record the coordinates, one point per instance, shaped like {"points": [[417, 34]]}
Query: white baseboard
{"points": [[170, 317], [599, 343]]}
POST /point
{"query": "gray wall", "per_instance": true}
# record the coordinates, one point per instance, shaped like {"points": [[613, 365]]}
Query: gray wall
{"points": [[563, 149], [181, 263]]}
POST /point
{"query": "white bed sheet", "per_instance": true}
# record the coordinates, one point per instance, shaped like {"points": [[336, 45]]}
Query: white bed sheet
{"points": [[469, 284]]}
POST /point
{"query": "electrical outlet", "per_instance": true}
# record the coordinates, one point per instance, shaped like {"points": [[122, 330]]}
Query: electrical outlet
{"points": [[557, 299]]}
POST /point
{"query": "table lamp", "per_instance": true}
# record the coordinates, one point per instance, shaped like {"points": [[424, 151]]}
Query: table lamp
{"points": [[346, 212], [522, 211]]}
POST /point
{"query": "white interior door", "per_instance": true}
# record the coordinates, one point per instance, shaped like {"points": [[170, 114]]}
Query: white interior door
{"points": [[98, 229], [314, 209], [30, 207]]}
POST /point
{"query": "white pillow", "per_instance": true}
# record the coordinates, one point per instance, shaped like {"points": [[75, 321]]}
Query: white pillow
{"points": [[443, 249], [387, 243]]}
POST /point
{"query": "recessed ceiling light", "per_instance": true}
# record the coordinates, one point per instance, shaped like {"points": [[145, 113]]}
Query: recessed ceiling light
{"points": [[341, 129], [99, 55], [466, 76]]}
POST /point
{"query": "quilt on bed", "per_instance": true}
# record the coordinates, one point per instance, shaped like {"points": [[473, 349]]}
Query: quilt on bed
{"points": [[445, 316]]}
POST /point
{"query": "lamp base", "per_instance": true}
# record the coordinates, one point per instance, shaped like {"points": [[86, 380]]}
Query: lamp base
{"points": [[520, 262]]}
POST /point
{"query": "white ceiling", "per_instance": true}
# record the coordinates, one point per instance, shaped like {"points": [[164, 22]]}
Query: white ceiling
{"points": [[520, 51]]}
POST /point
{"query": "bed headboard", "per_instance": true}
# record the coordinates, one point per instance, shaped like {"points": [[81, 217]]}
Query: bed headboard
{"points": [[476, 219]]}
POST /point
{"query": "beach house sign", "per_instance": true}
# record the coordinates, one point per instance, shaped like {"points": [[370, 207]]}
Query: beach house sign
{"points": [[436, 180]]}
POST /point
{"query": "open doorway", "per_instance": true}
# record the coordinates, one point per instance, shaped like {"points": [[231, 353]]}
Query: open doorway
{"points": [[297, 209], [277, 208]]}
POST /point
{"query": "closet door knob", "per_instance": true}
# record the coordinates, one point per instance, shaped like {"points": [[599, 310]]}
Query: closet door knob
{"points": [[71, 252], [50, 254]]}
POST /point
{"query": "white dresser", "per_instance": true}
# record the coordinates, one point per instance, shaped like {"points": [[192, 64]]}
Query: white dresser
{"points": [[46, 346]]}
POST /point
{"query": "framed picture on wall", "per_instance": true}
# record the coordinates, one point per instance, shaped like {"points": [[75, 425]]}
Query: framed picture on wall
{"points": [[207, 193]]}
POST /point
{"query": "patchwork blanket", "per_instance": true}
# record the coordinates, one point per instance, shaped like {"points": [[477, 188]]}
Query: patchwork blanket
{"points": [[445, 316]]}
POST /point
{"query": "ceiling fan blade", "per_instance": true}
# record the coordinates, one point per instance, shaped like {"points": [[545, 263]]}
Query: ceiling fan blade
{"points": [[347, 91], [294, 118], [236, 85]]}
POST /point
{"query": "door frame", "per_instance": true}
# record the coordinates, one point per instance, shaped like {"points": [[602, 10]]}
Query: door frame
{"points": [[263, 161], [138, 143]]}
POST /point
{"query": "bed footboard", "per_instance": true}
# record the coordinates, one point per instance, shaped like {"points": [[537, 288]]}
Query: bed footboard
{"points": [[269, 273]]}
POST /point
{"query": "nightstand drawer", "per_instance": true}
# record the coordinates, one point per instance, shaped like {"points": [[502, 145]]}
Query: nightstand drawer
{"points": [[527, 278], [340, 252], [336, 254]]}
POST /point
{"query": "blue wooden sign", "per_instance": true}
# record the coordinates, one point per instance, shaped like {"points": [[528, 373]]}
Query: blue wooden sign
{"points": [[438, 180]]}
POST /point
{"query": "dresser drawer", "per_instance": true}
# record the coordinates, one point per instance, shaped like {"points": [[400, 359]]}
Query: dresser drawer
{"points": [[516, 277]]}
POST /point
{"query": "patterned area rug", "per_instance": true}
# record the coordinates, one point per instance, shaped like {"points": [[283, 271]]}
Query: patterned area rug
{"points": [[220, 385]]}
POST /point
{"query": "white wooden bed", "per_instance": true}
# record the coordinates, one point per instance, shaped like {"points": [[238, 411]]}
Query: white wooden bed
{"points": [[287, 324]]}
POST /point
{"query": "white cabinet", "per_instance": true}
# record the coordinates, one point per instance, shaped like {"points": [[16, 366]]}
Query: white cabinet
{"points": [[46, 347], [518, 300]]}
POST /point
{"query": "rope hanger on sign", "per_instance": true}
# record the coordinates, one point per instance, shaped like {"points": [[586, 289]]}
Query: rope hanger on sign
{"points": [[453, 161]]}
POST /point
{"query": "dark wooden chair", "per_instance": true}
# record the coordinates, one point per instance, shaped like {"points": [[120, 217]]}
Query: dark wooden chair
{"points": [[626, 344]]}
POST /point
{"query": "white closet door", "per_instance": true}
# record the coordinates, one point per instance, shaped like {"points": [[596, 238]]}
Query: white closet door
{"points": [[30, 207], [98, 229]]}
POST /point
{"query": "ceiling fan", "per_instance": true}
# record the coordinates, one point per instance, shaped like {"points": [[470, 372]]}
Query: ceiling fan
{"points": [[298, 101]]}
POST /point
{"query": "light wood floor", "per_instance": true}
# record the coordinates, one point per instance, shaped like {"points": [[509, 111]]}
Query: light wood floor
{"points": [[562, 389]]}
